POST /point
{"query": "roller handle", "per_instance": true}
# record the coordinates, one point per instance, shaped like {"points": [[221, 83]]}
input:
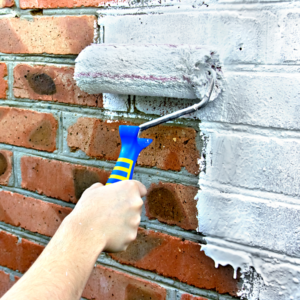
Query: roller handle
{"points": [[132, 145]]}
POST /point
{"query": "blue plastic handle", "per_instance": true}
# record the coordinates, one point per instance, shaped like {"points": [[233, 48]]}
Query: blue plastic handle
{"points": [[132, 145]]}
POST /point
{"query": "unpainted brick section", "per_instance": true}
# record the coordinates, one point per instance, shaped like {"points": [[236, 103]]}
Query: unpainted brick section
{"points": [[190, 297], [28, 128], [25, 4], [173, 204], [7, 3], [51, 83], [108, 284], [3, 82], [6, 282], [17, 254], [59, 179], [173, 147], [182, 260], [5, 167], [39, 216], [52, 35]]}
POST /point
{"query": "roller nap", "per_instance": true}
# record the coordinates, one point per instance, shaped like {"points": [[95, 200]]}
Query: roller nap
{"points": [[180, 71]]}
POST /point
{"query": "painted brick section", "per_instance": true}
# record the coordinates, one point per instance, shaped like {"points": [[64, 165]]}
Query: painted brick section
{"points": [[109, 284], [3, 82], [7, 3], [182, 260], [173, 147], [17, 254], [51, 83], [6, 282], [65, 35], [190, 297], [25, 4], [58, 179], [40, 216], [173, 204], [5, 166], [28, 128]]}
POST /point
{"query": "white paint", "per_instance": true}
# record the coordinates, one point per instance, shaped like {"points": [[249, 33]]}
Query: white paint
{"points": [[115, 102], [180, 71]]}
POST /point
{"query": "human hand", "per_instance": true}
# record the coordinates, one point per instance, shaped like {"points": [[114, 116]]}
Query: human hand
{"points": [[109, 216]]}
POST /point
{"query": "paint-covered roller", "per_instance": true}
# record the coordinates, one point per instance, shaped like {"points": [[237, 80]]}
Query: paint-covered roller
{"points": [[179, 71]]}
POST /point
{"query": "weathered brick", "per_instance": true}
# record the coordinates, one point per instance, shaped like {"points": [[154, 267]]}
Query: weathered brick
{"points": [[6, 282], [5, 166], [7, 3], [28, 128], [25, 4], [40, 216], [17, 254], [191, 297], [51, 83], [173, 204], [173, 147], [108, 284], [3, 82], [52, 35], [183, 260], [58, 179]]}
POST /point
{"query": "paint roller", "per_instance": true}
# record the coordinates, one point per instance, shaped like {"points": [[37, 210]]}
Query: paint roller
{"points": [[177, 71]]}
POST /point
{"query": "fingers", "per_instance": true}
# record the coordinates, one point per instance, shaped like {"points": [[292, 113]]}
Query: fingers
{"points": [[96, 185], [142, 189]]}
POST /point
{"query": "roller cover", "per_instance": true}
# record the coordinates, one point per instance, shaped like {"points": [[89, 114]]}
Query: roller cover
{"points": [[180, 71]]}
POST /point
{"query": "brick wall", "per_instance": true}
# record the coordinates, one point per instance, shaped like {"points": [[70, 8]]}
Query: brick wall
{"points": [[56, 141]]}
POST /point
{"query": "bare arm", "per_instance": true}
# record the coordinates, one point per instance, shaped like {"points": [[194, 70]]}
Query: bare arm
{"points": [[105, 218]]}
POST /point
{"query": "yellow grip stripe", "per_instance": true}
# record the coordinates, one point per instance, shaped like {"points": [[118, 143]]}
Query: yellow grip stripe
{"points": [[121, 169], [118, 177], [126, 160]]}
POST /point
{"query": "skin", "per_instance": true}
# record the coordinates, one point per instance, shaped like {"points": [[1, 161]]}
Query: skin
{"points": [[106, 218]]}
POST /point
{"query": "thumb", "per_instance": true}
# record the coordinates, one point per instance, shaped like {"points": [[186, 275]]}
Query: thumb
{"points": [[96, 185]]}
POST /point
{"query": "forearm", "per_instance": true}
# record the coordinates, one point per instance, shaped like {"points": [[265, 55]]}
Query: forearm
{"points": [[62, 269]]}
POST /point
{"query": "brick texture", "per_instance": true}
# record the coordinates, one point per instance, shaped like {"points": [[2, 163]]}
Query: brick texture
{"points": [[58, 179], [190, 297], [27, 128], [3, 82], [171, 257], [17, 254], [173, 204], [52, 35], [6, 282], [51, 83], [109, 284], [40, 216], [5, 166], [7, 3], [25, 4], [172, 148]]}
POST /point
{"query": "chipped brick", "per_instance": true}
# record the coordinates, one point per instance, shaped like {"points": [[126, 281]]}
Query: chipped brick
{"points": [[3, 82], [173, 147], [42, 217], [25, 4], [5, 166], [183, 260], [51, 83], [173, 204], [28, 128], [52, 35], [7, 3], [191, 297], [59, 179]]}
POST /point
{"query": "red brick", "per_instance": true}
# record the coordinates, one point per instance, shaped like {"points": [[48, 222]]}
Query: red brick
{"points": [[17, 254], [58, 179], [7, 3], [108, 284], [25, 4], [182, 260], [5, 166], [3, 82], [51, 83], [6, 283], [173, 147], [40, 216], [173, 204], [28, 128], [190, 297], [52, 35]]}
